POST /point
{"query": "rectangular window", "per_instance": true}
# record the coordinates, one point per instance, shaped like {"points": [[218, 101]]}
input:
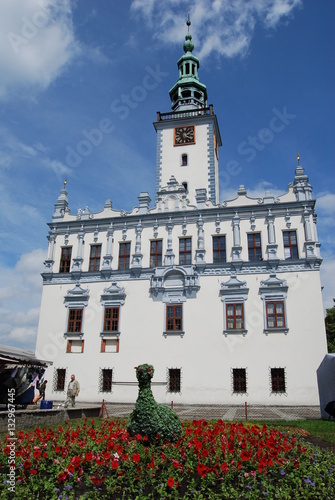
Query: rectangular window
{"points": [[65, 260], [174, 379], [219, 249], [278, 380], [254, 247], [75, 320], [290, 245], [124, 256], [235, 316], [174, 318], [111, 319], [275, 314], [239, 380], [60, 379], [95, 257], [75, 346], [156, 251], [107, 379], [110, 345], [185, 251]]}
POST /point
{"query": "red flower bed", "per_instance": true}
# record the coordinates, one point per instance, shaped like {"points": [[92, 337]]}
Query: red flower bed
{"points": [[229, 460]]}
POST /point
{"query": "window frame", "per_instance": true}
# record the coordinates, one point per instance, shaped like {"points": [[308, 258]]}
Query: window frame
{"points": [[155, 255], [69, 346], [65, 261], [77, 321], [235, 317], [219, 250], [106, 383], [173, 307], [275, 315], [124, 258], [59, 379], [236, 381], [278, 380], [112, 319], [274, 290], [293, 247], [95, 259], [174, 380], [185, 254], [253, 247]]}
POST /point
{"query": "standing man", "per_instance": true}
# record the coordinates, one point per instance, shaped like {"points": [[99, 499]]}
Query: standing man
{"points": [[72, 391]]}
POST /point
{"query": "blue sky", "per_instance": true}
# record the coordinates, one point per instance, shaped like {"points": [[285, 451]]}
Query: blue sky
{"points": [[67, 67]]}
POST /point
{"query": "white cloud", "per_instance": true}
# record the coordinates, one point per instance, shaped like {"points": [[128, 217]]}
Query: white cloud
{"points": [[326, 203], [36, 43], [218, 26], [328, 282], [20, 293]]}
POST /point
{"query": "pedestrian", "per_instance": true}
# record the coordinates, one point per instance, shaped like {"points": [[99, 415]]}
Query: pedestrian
{"points": [[73, 389], [41, 391]]}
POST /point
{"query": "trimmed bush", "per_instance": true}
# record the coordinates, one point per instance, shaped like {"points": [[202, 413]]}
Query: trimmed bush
{"points": [[149, 418]]}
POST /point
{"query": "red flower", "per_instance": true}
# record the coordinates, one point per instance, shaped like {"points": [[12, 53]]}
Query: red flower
{"points": [[89, 456], [98, 480], [224, 467], [33, 472], [170, 482], [136, 458], [75, 461], [37, 453], [27, 464], [62, 477], [201, 470], [114, 463]]}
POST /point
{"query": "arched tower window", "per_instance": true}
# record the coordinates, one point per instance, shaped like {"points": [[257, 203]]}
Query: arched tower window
{"points": [[184, 160]]}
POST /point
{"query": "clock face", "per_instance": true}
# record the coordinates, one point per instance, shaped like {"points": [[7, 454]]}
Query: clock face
{"points": [[184, 135]]}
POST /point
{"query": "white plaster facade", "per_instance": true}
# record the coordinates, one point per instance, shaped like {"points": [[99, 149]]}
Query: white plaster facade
{"points": [[224, 347]]}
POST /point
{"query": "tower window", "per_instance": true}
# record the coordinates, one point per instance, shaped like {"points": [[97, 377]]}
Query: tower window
{"points": [[184, 160], [187, 68], [185, 185]]}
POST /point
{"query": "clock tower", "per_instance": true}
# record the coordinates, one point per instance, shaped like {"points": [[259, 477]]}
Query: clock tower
{"points": [[188, 137]]}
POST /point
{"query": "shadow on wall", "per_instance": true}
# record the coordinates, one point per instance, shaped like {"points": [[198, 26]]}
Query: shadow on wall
{"points": [[326, 383]]}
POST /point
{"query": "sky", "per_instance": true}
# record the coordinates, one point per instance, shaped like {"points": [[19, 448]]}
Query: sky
{"points": [[81, 82]]}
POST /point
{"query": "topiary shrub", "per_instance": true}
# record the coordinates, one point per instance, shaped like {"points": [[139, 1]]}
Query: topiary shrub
{"points": [[148, 417]]}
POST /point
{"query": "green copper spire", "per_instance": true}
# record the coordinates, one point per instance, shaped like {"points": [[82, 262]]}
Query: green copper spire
{"points": [[188, 92]]}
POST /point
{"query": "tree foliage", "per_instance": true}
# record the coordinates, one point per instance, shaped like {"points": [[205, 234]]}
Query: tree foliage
{"points": [[330, 329]]}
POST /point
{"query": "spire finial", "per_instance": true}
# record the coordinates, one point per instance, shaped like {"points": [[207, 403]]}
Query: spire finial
{"points": [[298, 158], [65, 182], [188, 22]]}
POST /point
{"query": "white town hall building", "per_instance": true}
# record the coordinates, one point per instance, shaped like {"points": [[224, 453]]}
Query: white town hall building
{"points": [[224, 299]]}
